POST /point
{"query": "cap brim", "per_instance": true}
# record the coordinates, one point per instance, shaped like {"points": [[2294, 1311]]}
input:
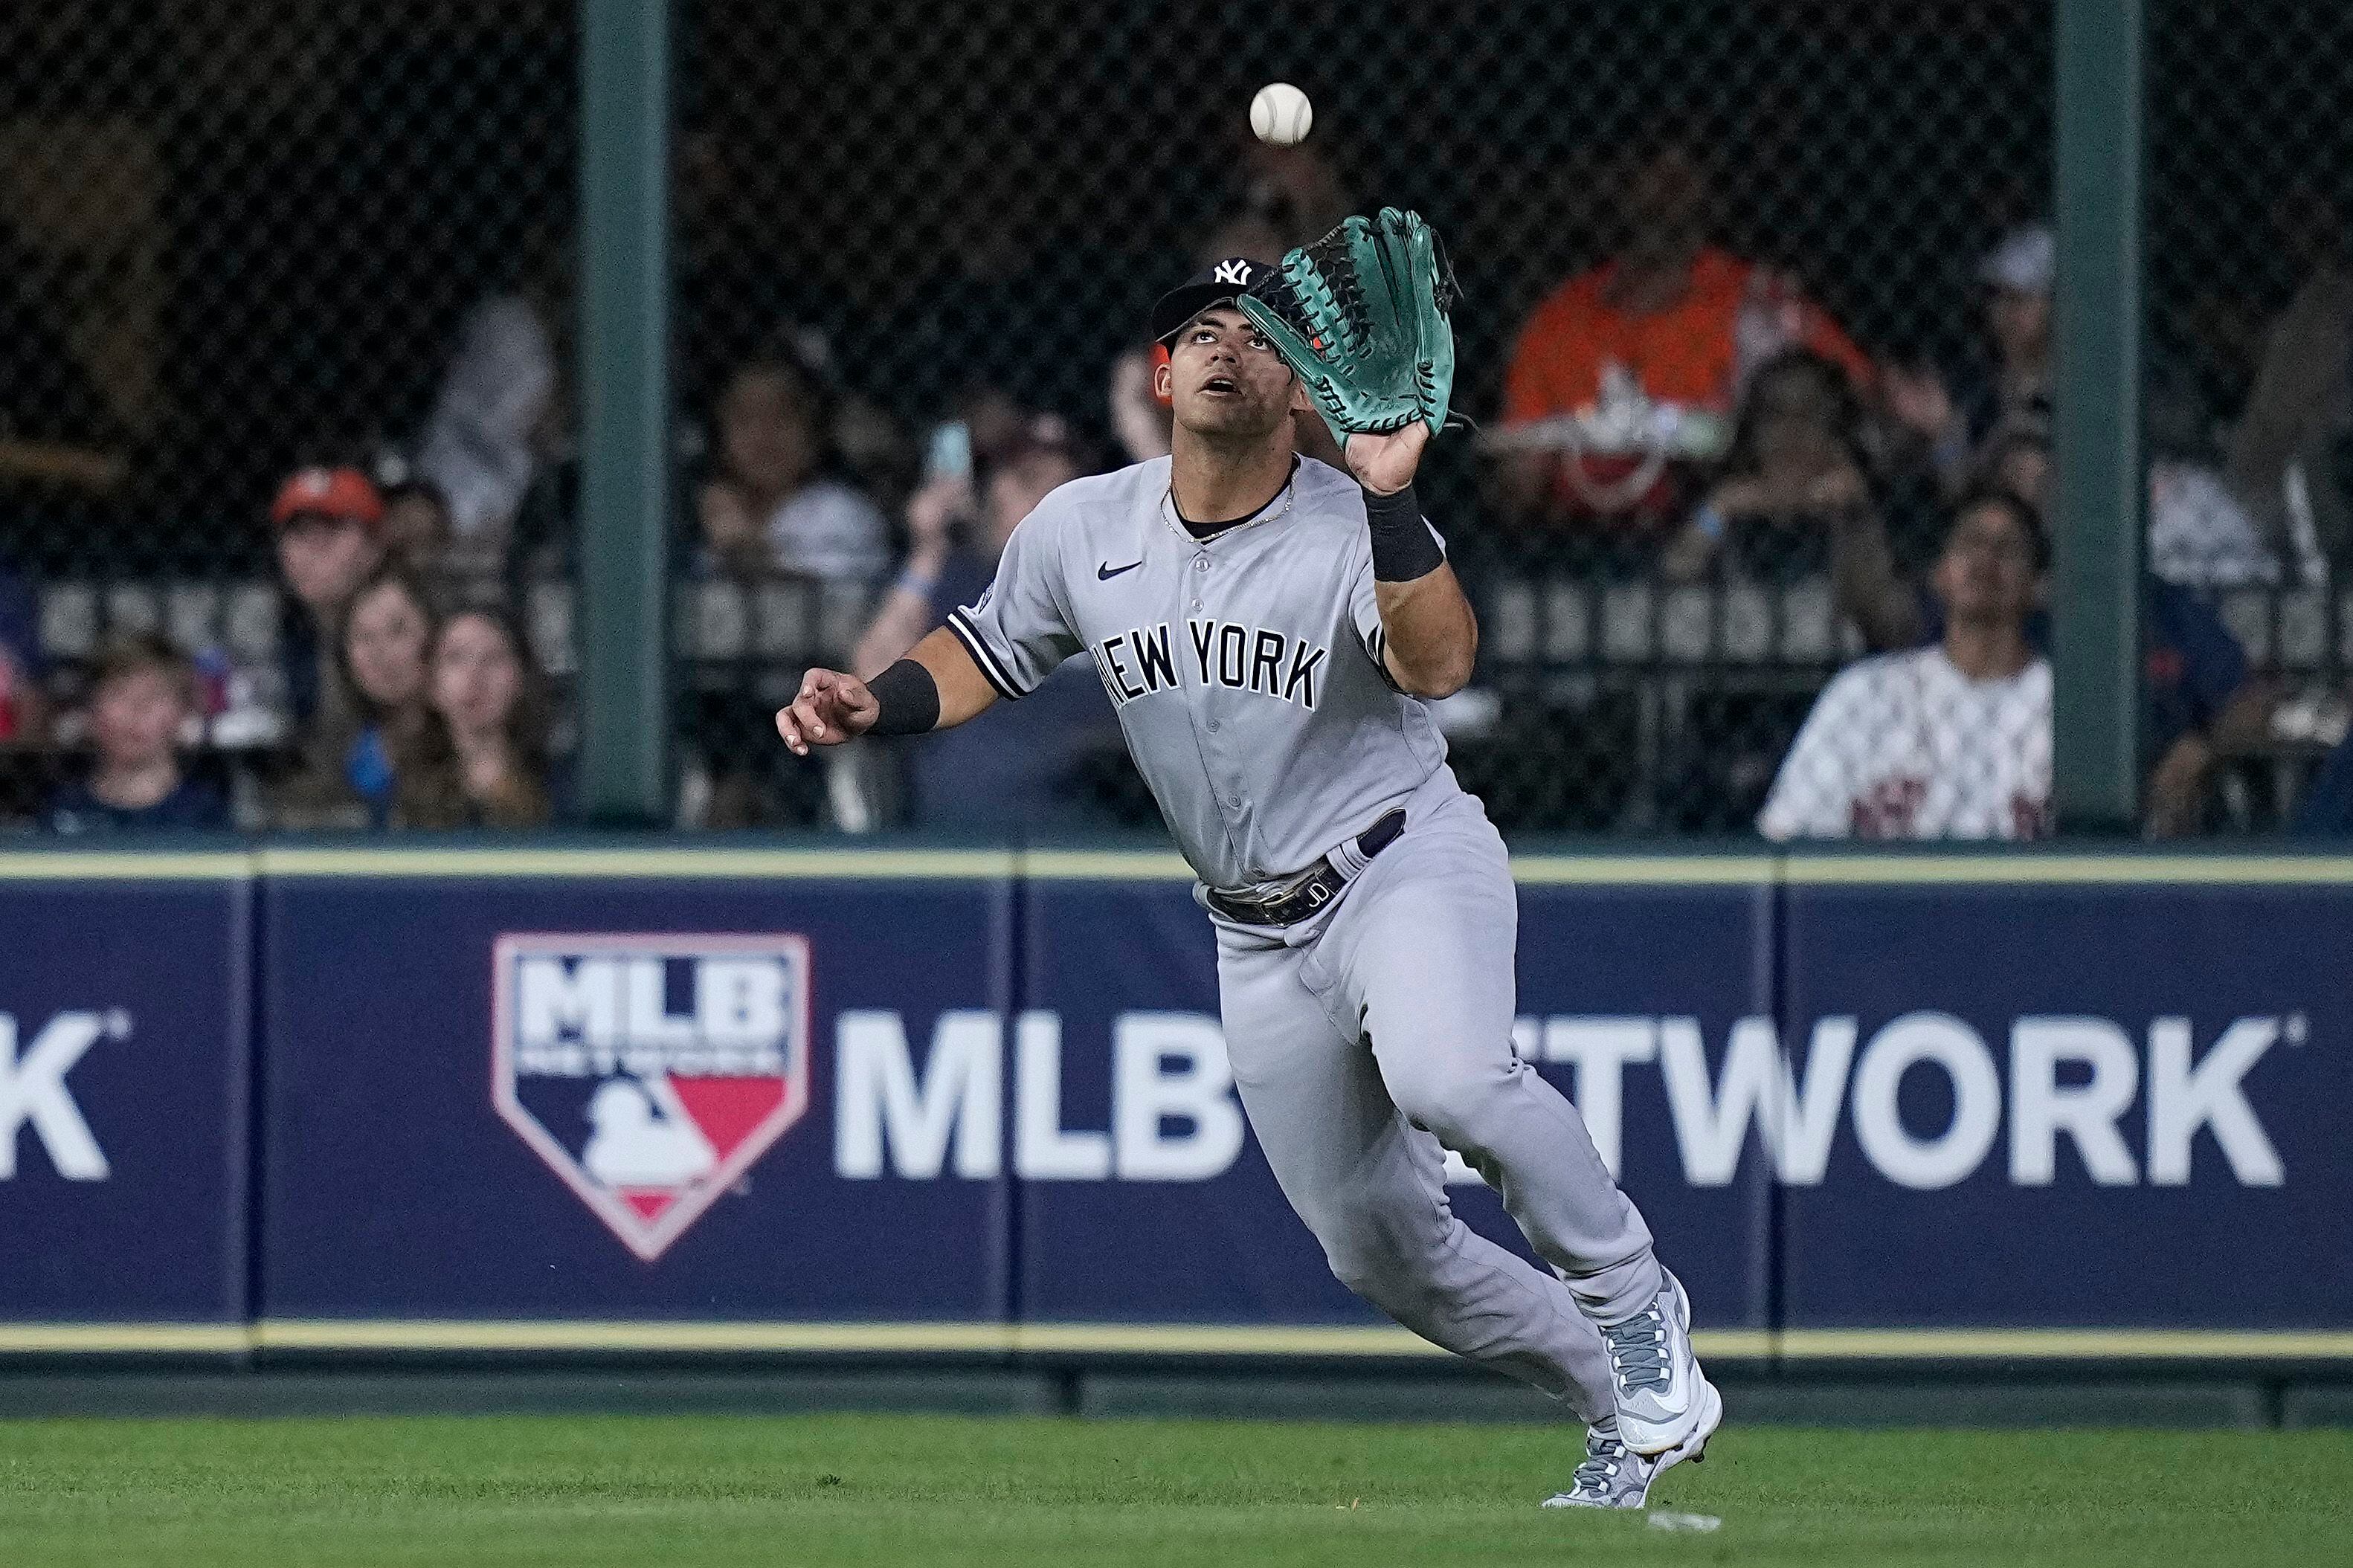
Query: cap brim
{"points": [[1184, 302]]}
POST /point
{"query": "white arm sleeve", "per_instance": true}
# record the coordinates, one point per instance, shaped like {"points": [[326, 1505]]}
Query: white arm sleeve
{"points": [[1017, 630]]}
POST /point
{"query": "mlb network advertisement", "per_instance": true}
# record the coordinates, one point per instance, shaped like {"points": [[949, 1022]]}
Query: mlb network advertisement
{"points": [[124, 1089], [955, 1099]]}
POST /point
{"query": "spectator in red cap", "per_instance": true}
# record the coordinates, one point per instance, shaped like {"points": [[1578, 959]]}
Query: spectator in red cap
{"points": [[329, 524]]}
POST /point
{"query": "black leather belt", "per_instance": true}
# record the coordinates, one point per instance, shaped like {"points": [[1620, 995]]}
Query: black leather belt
{"points": [[1311, 892]]}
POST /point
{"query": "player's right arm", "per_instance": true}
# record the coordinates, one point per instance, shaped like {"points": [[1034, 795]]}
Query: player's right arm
{"points": [[1001, 645], [833, 707]]}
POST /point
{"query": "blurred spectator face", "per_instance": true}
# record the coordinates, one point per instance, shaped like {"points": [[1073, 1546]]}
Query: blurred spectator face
{"points": [[1243, 235], [416, 525], [768, 438], [1987, 573], [385, 641], [135, 716], [2020, 274], [1795, 414], [1016, 486], [477, 676], [1661, 210], [324, 558], [2021, 321], [2022, 466], [2311, 233], [1293, 191], [329, 535], [995, 421]]}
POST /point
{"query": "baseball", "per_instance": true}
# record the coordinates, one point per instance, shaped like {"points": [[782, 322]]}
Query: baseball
{"points": [[1281, 114]]}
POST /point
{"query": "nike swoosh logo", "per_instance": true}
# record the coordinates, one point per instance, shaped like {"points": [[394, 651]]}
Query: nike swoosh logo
{"points": [[1106, 572]]}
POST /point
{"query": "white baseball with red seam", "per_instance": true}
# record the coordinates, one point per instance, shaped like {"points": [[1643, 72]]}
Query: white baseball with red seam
{"points": [[1281, 114]]}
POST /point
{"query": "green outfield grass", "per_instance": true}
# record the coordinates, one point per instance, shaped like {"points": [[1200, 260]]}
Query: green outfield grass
{"points": [[648, 1492]]}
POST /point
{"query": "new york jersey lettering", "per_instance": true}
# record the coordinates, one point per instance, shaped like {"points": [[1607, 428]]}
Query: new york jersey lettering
{"points": [[1136, 663], [1256, 658], [1246, 667]]}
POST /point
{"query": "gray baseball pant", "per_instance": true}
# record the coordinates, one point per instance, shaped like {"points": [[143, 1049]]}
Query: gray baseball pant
{"points": [[1367, 1037]]}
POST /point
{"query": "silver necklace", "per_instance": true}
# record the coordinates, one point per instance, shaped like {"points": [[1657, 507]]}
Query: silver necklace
{"points": [[1174, 519]]}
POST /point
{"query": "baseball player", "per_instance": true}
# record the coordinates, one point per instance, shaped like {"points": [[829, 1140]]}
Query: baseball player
{"points": [[1270, 629]]}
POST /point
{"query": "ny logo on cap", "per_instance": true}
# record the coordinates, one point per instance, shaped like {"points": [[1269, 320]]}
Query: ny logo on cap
{"points": [[1233, 272]]}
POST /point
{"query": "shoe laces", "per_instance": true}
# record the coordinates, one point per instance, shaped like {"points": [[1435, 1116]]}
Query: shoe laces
{"points": [[1603, 1457], [1637, 1351]]}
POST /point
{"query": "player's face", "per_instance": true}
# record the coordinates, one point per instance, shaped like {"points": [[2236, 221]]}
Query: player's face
{"points": [[1225, 380], [1988, 573]]}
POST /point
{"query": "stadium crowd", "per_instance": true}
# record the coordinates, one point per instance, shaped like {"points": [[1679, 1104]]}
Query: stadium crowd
{"points": [[1678, 418]]}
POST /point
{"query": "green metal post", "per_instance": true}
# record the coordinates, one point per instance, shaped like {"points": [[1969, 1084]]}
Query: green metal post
{"points": [[624, 372], [2095, 598]]}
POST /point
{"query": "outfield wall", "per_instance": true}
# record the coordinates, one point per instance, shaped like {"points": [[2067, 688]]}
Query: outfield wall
{"points": [[955, 1100]]}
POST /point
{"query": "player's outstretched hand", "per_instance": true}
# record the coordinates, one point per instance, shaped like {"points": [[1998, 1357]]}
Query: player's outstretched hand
{"points": [[1386, 462], [831, 708]]}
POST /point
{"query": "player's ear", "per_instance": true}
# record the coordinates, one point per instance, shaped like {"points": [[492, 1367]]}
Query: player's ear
{"points": [[1164, 377], [1300, 403]]}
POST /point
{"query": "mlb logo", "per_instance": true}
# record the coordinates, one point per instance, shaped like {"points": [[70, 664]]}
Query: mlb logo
{"points": [[650, 1072]]}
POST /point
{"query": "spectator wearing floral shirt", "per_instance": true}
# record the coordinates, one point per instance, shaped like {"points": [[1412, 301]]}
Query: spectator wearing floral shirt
{"points": [[2200, 701], [1950, 741]]}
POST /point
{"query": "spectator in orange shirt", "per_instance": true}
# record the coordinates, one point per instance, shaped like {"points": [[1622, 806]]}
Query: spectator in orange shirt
{"points": [[1645, 356]]}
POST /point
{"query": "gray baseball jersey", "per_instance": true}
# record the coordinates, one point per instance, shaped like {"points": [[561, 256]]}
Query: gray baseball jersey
{"points": [[1246, 668]]}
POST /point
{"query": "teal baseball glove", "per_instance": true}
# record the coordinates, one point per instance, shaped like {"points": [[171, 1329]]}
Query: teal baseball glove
{"points": [[1362, 316]]}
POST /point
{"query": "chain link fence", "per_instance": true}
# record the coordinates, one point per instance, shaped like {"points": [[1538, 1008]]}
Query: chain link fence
{"points": [[956, 221], [2248, 422], [1755, 326], [237, 242]]}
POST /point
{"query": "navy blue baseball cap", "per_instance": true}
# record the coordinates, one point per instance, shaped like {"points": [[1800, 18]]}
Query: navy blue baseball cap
{"points": [[1218, 284]]}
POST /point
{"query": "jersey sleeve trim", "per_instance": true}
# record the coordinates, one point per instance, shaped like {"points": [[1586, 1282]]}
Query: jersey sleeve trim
{"points": [[1377, 645], [991, 669]]}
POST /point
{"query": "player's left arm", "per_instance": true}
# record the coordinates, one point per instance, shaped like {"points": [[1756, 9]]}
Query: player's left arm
{"points": [[1429, 639]]}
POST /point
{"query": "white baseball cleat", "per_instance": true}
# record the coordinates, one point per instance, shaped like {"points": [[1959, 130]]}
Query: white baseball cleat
{"points": [[1614, 1476], [1665, 1403], [1610, 1477]]}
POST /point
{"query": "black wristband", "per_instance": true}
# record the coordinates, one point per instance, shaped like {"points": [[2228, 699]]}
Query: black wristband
{"points": [[1403, 547], [908, 699]]}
